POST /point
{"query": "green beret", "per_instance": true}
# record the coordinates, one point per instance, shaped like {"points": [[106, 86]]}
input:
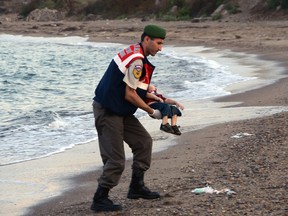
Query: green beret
{"points": [[155, 31]]}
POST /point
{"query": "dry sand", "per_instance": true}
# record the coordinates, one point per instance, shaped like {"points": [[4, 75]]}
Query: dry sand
{"points": [[253, 166]]}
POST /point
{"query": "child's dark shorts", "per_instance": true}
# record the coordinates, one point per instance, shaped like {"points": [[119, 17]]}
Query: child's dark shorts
{"points": [[166, 109]]}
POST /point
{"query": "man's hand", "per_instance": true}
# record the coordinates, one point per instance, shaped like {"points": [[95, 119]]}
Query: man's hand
{"points": [[156, 114]]}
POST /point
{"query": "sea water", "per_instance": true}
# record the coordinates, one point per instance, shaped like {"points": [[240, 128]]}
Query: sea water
{"points": [[47, 86]]}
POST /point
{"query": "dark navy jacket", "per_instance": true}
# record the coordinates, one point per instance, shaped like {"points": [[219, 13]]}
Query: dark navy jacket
{"points": [[110, 92]]}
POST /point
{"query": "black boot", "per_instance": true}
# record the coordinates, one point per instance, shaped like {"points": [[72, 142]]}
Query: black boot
{"points": [[101, 202], [137, 189]]}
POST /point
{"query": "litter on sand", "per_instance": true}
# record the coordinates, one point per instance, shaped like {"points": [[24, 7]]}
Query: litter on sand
{"points": [[210, 190], [240, 135]]}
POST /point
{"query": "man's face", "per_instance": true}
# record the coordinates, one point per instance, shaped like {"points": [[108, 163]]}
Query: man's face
{"points": [[153, 46]]}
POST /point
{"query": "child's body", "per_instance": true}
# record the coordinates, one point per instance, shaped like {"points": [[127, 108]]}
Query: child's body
{"points": [[168, 108]]}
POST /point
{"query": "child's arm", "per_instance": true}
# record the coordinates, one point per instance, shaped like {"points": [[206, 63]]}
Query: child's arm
{"points": [[154, 97], [173, 102]]}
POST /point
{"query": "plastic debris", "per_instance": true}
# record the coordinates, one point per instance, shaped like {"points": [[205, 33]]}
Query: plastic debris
{"points": [[210, 190], [241, 135], [229, 192], [207, 189]]}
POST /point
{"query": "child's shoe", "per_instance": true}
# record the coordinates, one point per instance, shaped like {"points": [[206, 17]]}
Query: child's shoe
{"points": [[166, 128], [175, 128]]}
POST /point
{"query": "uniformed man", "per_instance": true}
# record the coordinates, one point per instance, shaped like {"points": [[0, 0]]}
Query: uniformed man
{"points": [[120, 92]]}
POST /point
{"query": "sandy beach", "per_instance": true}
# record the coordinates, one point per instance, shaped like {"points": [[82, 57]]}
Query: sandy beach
{"points": [[253, 164]]}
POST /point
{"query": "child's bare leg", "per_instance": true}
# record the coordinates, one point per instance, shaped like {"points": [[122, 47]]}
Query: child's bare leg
{"points": [[174, 120], [165, 120]]}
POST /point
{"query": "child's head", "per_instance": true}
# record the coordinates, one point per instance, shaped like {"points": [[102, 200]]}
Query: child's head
{"points": [[151, 88]]}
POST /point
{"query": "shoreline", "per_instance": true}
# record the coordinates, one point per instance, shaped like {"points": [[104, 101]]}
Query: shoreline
{"points": [[61, 170], [153, 179], [237, 62]]}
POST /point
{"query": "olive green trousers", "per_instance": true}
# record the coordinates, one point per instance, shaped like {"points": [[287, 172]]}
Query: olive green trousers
{"points": [[113, 132]]}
